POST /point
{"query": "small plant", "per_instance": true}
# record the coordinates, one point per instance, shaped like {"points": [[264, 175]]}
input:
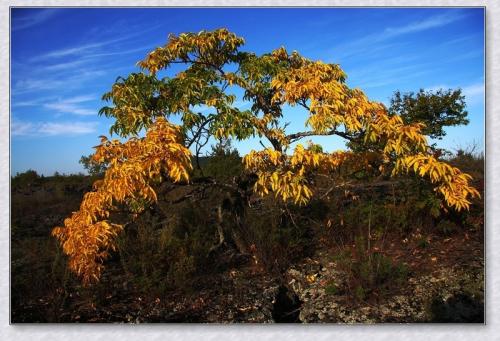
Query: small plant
{"points": [[359, 293], [446, 227], [370, 272], [331, 288], [422, 242]]}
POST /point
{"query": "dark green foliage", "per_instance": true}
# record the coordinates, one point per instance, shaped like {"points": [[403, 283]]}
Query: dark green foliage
{"points": [[145, 88], [331, 288], [38, 268], [471, 162], [279, 236], [25, 179], [93, 168], [370, 272], [437, 109], [165, 254], [224, 161], [446, 227]]}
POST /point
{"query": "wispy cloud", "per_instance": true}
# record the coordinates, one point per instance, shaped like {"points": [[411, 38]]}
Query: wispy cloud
{"points": [[71, 50], [19, 128], [22, 128], [378, 75], [86, 59], [461, 39], [380, 40], [29, 84], [35, 18], [43, 82], [72, 106], [63, 66], [94, 48], [474, 93], [121, 52], [421, 25]]}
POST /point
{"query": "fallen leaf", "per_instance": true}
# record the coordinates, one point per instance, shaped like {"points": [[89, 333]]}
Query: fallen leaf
{"points": [[311, 278]]}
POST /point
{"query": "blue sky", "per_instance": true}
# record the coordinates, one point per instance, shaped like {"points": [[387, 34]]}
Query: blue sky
{"points": [[64, 59]]}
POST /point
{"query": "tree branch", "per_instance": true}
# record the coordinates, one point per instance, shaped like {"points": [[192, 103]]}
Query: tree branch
{"points": [[297, 136], [200, 130]]}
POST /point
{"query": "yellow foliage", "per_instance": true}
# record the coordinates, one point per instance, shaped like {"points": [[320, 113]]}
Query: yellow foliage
{"points": [[286, 176], [211, 45], [87, 235], [270, 81], [452, 184], [331, 105]]}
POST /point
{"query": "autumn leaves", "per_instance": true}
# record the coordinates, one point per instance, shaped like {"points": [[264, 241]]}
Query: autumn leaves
{"points": [[143, 102], [88, 235]]}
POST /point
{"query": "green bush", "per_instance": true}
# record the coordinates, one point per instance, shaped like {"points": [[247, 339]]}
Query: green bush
{"points": [[25, 179], [370, 272], [164, 254]]}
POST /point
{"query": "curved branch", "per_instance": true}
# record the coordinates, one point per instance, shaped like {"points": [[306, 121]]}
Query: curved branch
{"points": [[198, 133], [297, 136]]}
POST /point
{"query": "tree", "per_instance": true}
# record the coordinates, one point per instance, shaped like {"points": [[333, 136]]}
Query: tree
{"points": [[214, 65], [224, 161], [92, 167], [436, 109], [26, 178]]}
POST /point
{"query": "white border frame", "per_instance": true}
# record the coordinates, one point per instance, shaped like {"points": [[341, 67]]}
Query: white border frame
{"points": [[426, 332]]}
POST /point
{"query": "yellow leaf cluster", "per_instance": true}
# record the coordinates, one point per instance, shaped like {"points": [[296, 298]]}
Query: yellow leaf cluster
{"points": [[452, 184], [87, 236], [399, 138], [332, 104], [331, 101], [211, 47], [287, 176]]}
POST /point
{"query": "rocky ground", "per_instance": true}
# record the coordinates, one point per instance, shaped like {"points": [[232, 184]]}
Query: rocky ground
{"points": [[444, 282], [444, 293], [447, 294]]}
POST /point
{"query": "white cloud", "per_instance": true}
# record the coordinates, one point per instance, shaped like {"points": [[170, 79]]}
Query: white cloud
{"points": [[93, 49], [72, 105], [72, 128], [20, 128], [69, 51], [67, 108], [121, 52], [32, 84], [422, 25], [63, 66], [80, 99], [19, 23], [378, 75], [372, 42], [47, 83], [25, 103], [473, 93]]}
